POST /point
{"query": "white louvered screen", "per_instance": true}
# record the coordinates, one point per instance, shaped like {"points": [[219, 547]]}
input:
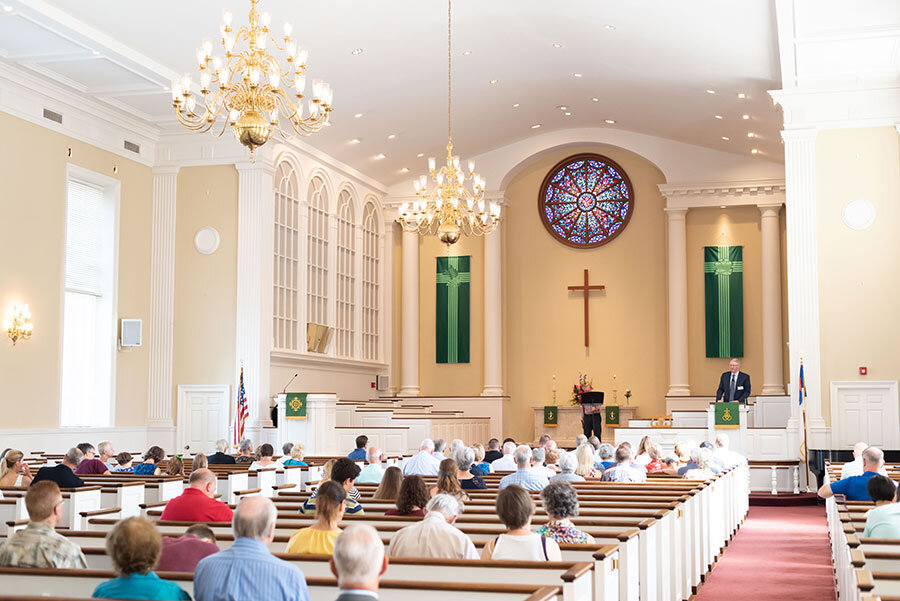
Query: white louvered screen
{"points": [[317, 253], [346, 275], [286, 331], [371, 270]]}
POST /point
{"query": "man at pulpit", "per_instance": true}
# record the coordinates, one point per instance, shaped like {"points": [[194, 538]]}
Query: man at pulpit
{"points": [[734, 385], [591, 412]]}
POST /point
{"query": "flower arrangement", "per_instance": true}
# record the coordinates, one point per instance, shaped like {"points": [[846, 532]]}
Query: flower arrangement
{"points": [[627, 395], [584, 385]]}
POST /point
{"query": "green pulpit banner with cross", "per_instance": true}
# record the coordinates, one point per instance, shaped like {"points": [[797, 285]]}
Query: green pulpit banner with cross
{"points": [[551, 416], [452, 313], [728, 415], [295, 405], [612, 415], [723, 276]]}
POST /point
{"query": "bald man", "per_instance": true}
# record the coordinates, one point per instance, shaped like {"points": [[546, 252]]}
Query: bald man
{"points": [[198, 503]]}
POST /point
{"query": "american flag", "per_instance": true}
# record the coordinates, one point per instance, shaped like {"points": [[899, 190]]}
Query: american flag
{"points": [[242, 412]]}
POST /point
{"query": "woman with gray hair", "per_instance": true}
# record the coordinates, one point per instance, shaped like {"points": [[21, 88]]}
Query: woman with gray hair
{"points": [[606, 455], [702, 471], [567, 464], [561, 503], [465, 458]]}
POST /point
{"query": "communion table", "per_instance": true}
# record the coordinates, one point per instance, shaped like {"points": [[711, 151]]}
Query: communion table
{"points": [[569, 424]]}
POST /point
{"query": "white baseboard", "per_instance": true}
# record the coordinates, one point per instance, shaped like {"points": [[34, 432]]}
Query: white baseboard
{"points": [[59, 440]]}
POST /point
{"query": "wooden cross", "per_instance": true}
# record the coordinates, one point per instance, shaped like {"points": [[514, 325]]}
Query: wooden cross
{"points": [[586, 288]]}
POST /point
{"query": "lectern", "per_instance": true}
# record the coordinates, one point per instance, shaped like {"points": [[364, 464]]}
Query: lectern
{"points": [[592, 413]]}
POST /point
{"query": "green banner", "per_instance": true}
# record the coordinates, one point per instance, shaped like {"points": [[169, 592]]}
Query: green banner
{"points": [[728, 415], [612, 415], [452, 312], [295, 405], [551, 416], [723, 276]]}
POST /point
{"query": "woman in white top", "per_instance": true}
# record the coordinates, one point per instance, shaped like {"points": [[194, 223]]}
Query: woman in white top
{"points": [[266, 454], [13, 469], [643, 456], [515, 509]]}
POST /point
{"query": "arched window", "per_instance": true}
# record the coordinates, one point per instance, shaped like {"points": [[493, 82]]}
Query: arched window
{"points": [[286, 330], [346, 276], [371, 274], [317, 253]]}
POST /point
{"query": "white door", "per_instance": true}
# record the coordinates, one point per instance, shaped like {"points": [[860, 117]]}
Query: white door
{"points": [[865, 412], [202, 417]]}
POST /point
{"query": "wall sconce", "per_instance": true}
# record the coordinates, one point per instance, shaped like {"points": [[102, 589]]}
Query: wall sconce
{"points": [[18, 325]]}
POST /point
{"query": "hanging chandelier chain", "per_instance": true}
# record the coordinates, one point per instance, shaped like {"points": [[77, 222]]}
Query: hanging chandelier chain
{"points": [[449, 71]]}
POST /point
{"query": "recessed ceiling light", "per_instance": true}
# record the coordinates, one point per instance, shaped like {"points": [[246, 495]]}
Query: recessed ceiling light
{"points": [[710, 91], [420, 155], [555, 45], [721, 206], [741, 95], [562, 107], [750, 134], [495, 81], [595, 99], [568, 114], [358, 115], [7, 9], [96, 52], [467, 52], [755, 151], [609, 27], [354, 141], [577, 74], [718, 116], [516, 105], [379, 156], [726, 138], [392, 136], [356, 51], [404, 170], [535, 126], [611, 121], [745, 117]]}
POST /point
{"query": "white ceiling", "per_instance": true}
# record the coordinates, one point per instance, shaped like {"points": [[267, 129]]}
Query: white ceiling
{"points": [[650, 73]]}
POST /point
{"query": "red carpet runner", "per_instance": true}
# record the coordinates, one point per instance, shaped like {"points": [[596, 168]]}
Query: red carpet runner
{"points": [[779, 553]]}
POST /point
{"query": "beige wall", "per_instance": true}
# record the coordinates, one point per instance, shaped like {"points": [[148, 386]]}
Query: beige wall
{"points": [[33, 208], [736, 226], [544, 334], [456, 379], [858, 270], [205, 285]]}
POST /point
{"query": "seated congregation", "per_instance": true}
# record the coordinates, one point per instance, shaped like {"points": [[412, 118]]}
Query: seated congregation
{"points": [[563, 523]]}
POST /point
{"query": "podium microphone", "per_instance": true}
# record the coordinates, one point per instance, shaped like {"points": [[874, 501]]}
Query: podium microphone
{"points": [[284, 390]]}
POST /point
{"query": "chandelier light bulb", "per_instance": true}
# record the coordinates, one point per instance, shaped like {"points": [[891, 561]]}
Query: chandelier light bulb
{"points": [[288, 29], [423, 181], [205, 78], [227, 18], [302, 55], [440, 179], [191, 103], [417, 186], [265, 19], [471, 166], [300, 83], [273, 116], [274, 78], [217, 64], [291, 48], [229, 44], [201, 56], [233, 115], [262, 40], [431, 164], [207, 48], [186, 83]]}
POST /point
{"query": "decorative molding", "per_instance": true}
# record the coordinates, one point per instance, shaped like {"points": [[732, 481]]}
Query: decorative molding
{"points": [[338, 364], [207, 240], [840, 106], [162, 296], [392, 203], [858, 214], [716, 194]]}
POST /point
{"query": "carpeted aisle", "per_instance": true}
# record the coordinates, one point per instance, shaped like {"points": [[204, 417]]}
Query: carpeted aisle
{"points": [[779, 553]]}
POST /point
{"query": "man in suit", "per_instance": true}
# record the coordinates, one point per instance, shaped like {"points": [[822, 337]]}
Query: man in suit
{"points": [[358, 563], [734, 385]]}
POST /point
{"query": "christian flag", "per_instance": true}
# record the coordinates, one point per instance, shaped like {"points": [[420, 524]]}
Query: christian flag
{"points": [[452, 312], [723, 271]]}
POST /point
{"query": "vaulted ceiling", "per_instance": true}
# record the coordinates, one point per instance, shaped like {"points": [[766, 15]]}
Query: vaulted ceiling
{"points": [[652, 66]]}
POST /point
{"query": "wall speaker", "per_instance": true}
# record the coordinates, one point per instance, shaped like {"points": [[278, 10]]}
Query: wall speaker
{"points": [[130, 334], [382, 382]]}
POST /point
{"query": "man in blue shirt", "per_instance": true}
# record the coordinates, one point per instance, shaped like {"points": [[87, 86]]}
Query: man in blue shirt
{"points": [[247, 569], [855, 488], [524, 476], [359, 453]]}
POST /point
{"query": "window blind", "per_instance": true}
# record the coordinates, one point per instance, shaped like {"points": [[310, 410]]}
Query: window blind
{"points": [[84, 227]]}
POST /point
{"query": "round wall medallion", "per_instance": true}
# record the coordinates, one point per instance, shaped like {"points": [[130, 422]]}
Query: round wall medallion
{"points": [[858, 214], [206, 240]]}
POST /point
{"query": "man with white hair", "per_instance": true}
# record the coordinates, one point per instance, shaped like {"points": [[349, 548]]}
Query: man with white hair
{"points": [[372, 472], [245, 448], [220, 456], [247, 569], [506, 463], [455, 444], [63, 473], [538, 456], [624, 471], [107, 452], [568, 462], [439, 446], [856, 488], [422, 463], [435, 536], [524, 476], [358, 562], [724, 457], [285, 452], [580, 439], [855, 467]]}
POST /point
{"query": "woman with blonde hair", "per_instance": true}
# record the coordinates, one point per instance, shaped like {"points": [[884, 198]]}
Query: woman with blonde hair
{"points": [[390, 484], [13, 469], [702, 471], [585, 456], [200, 462], [643, 453], [480, 467], [448, 481], [331, 502], [298, 452]]}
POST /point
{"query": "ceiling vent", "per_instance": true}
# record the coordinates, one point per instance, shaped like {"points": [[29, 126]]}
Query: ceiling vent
{"points": [[53, 116], [135, 148]]}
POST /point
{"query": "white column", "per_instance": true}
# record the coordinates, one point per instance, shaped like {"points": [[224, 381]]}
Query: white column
{"points": [[772, 340], [254, 291], [493, 316], [803, 266], [678, 306], [386, 314], [162, 302], [409, 320]]}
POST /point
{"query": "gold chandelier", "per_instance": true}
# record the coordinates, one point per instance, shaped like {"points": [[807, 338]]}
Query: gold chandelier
{"points": [[449, 209], [247, 86]]}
